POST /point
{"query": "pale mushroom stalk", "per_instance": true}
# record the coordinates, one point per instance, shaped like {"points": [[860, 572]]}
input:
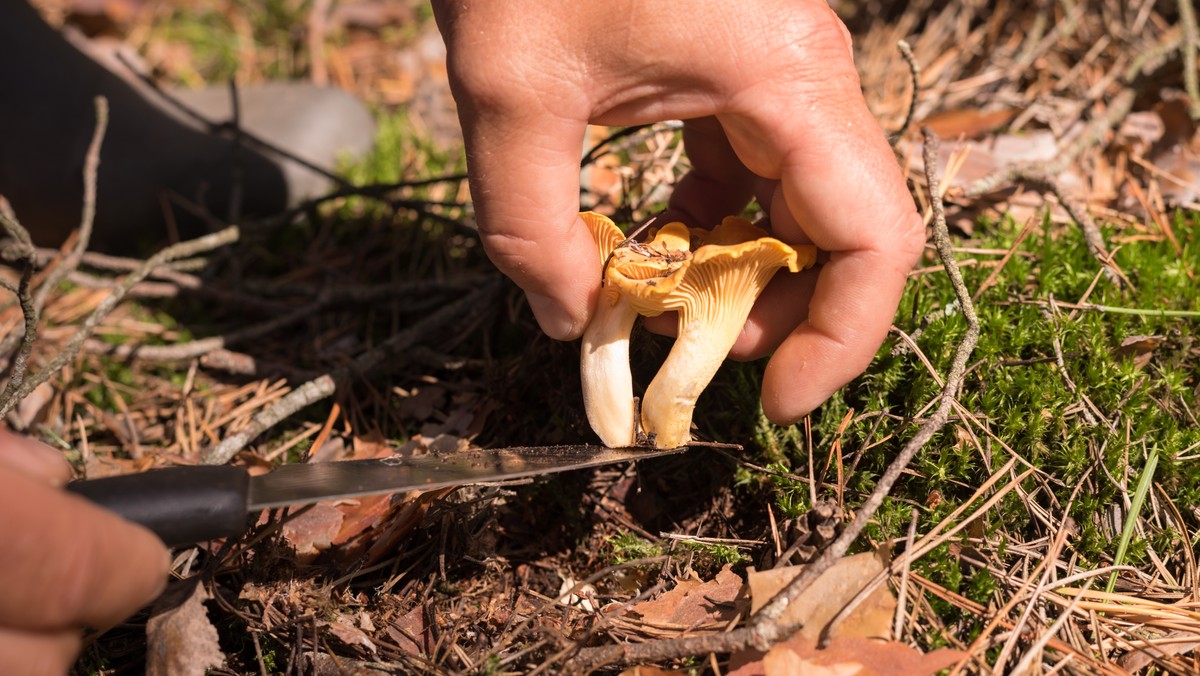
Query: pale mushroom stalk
{"points": [[713, 297], [695, 357], [604, 371], [604, 356]]}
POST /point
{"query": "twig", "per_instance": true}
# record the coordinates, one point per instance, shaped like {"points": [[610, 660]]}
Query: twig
{"points": [[1187, 17], [914, 69], [87, 217], [901, 598], [595, 153], [334, 297], [21, 249], [1135, 311], [214, 127], [235, 160], [325, 385], [1042, 175], [181, 250]]}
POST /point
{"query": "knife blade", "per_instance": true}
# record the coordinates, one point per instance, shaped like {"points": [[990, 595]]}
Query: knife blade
{"points": [[190, 504]]}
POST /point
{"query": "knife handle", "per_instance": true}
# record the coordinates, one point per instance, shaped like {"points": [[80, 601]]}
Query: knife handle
{"points": [[181, 505]]}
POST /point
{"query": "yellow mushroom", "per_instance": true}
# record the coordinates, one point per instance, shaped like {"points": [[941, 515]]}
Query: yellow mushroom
{"points": [[639, 269], [713, 296]]}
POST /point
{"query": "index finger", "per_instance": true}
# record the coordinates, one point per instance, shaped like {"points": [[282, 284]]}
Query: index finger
{"points": [[524, 176], [841, 188]]}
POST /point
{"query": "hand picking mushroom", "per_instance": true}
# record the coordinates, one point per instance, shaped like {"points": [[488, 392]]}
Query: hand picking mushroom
{"points": [[728, 270], [652, 267]]}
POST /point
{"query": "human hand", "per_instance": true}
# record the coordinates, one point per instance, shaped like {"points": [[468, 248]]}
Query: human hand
{"points": [[64, 564], [773, 111]]}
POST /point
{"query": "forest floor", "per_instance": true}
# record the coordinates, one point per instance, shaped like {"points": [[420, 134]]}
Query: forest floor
{"points": [[1050, 524]]}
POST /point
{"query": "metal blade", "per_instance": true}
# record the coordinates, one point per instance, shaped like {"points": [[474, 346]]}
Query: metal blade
{"points": [[305, 483]]}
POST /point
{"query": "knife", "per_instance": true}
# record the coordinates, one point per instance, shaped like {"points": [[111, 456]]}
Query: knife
{"points": [[190, 504]]}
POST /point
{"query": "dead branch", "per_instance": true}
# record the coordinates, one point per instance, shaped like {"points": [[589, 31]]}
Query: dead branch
{"points": [[181, 250], [914, 70], [1042, 176], [1187, 17], [325, 385], [20, 250], [333, 297], [217, 128], [91, 165]]}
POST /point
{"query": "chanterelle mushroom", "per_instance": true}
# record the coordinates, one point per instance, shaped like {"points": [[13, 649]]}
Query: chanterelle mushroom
{"points": [[713, 296], [641, 269]]}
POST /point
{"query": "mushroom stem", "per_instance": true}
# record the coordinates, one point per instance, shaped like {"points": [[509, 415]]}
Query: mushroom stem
{"points": [[604, 372], [694, 359]]}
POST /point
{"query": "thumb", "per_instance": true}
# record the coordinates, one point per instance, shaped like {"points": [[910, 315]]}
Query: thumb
{"points": [[33, 458], [524, 172]]}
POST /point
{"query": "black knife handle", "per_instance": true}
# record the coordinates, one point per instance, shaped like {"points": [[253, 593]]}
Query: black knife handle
{"points": [[181, 505]]}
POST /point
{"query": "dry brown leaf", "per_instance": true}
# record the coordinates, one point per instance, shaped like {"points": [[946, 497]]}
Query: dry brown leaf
{"points": [[26, 412], [1177, 644], [180, 640], [1139, 348], [846, 657], [827, 595], [693, 603], [343, 628], [968, 122], [420, 403], [313, 531], [408, 631], [649, 670]]}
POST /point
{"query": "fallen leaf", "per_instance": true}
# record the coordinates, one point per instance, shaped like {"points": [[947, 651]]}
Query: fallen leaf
{"points": [[648, 670], [970, 122], [180, 640], [783, 661], [1139, 348], [1174, 643], [694, 604], [343, 628], [314, 531], [826, 596], [420, 403], [408, 631], [846, 657], [26, 412]]}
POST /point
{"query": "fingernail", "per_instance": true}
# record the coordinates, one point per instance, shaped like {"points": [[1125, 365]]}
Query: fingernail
{"points": [[555, 321]]}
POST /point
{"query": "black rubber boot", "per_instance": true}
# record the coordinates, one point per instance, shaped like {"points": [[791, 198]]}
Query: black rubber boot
{"points": [[47, 116]]}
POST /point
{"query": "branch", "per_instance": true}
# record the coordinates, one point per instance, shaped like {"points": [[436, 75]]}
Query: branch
{"points": [[20, 249], [914, 69], [87, 217], [181, 250], [325, 385]]}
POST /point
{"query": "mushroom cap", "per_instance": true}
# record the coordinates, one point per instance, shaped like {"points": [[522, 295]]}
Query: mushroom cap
{"points": [[639, 270], [730, 266], [604, 231]]}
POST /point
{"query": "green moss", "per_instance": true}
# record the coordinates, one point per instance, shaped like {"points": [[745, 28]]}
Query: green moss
{"points": [[1030, 407], [625, 547]]}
